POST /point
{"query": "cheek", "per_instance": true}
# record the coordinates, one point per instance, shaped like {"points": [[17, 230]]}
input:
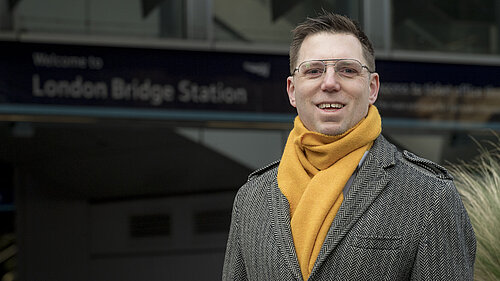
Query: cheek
{"points": [[304, 92], [361, 93], [296, 97]]}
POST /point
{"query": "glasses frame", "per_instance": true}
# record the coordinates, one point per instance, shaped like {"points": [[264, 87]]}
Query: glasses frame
{"points": [[333, 62]]}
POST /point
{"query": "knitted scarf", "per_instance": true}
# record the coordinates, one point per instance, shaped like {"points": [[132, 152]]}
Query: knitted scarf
{"points": [[312, 174]]}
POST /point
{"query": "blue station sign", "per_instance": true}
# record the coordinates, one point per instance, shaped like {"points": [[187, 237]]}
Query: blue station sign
{"points": [[174, 84]]}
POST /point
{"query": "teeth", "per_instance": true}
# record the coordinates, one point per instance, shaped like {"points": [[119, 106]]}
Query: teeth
{"points": [[330, 105]]}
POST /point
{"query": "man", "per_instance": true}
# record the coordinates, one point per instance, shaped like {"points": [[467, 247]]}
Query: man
{"points": [[343, 203]]}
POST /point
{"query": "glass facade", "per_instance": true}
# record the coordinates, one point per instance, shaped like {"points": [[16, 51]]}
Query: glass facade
{"points": [[433, 25]]}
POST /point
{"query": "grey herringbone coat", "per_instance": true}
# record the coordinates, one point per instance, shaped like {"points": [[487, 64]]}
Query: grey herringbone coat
{"points": [[402, 219]]}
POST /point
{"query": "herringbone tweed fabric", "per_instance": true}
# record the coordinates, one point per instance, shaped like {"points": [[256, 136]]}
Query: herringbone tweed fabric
{"points": [[402, 219]]}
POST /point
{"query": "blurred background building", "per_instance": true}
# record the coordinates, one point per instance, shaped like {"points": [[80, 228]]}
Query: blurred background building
{"points": [[126, 126]]}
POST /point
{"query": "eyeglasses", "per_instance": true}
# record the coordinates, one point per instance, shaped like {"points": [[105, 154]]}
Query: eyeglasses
{"points": [[345, 68]]}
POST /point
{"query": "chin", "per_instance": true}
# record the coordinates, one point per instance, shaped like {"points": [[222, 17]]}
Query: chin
{"points": [[331, 131]]}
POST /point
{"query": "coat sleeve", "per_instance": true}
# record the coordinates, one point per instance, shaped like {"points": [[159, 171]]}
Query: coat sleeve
{"points": [[448, 245], [234, 266]]}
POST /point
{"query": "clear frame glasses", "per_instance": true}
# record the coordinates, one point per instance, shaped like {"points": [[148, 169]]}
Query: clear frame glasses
{"points": [[345, 68]]}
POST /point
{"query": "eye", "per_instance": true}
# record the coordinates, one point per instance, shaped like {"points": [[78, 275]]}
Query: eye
{"points": [[348, 70], [313, 71]]}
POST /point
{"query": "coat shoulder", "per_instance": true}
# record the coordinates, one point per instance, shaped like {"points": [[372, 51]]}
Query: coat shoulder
{"points": [[426, 166], [264, 170], [389, 155], [260, 181]]}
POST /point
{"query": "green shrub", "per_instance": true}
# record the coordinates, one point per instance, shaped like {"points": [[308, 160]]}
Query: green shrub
{"points": [[478, 182]]}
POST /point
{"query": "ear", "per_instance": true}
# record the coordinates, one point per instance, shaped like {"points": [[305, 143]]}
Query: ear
{"points": [[374, 87], [290, 88]]}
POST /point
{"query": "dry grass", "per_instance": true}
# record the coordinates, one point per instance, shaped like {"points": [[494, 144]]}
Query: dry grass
{"points": [[478, 182]]}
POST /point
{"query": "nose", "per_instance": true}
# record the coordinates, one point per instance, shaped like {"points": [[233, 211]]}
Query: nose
{"points": [[330, 80]]}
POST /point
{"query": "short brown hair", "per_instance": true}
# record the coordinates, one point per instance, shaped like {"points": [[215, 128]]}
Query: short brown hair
{"points": [[333, 23]]}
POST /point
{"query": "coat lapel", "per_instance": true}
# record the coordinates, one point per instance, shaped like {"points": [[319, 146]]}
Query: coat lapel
{"points": [[368, 184], [283, 230]]}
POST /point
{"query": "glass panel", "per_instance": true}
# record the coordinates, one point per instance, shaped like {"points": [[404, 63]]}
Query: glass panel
{"points": [[446, 25], [109, 17], [49, 16], [123, 17], [270, 21]]}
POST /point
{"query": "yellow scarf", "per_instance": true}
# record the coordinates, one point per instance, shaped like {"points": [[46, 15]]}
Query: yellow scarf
{"points": [[312, 174]]}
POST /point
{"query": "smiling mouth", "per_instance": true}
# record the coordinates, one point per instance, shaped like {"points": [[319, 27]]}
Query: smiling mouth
{"points": [[330, 106]]}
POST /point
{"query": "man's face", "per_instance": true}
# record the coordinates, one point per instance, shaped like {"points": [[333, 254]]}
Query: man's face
{"points": [[332, 104]]}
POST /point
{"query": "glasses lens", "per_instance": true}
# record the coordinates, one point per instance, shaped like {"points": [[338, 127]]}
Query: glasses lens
{"points": [[348, 68], [312, 69]]}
